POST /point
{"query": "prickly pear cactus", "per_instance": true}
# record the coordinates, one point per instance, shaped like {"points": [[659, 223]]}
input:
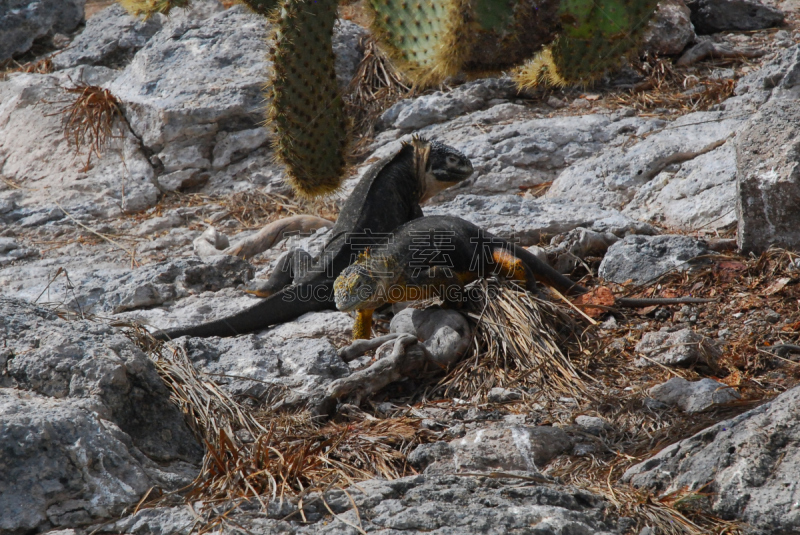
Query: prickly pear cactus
{"points": [[505, 33], [307, 111], [595, 36], [432, 39], [422, 37]]}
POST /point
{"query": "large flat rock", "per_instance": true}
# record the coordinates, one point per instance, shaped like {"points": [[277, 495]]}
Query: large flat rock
{"points": [[682, 175], [88, 424], [747, 468], [35, 154], [22, 22], [768, 159], [65, 466]]}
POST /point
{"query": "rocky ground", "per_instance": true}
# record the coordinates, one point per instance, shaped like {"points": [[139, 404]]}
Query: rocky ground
{"points": [[670, 179]]}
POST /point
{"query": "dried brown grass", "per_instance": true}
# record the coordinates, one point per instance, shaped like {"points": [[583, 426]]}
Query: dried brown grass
{"points": [[520, 342], [254, 209], [89, 119], [672, 88], [541, 347], [259, 455], [375, 87]]}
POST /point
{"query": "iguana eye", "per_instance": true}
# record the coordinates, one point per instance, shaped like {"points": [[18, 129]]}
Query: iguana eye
{"points": [[452, 161]]}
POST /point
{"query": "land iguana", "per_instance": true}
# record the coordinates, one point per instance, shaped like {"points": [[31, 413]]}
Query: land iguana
{"points": [[435, 256], [387, 196]]}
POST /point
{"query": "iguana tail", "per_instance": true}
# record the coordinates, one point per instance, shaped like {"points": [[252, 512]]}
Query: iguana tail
{"points": [[289, 303], [547, 274]]}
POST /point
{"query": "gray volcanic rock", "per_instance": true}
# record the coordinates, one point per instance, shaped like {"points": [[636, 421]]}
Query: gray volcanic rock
{"points": [[22, 22], [430, 504], [35, 153], [768, 158], [520, 448], [166, 93], [680, 348], [111, 38], [693, 396], [681, 176], [111, 288], [747, 466], [88, 425], [64, 465], [526, 220], [514, 146], [298, 355], [711, 16], [347, 48], [670, 30], [90, 361], [416, 113], [645, 258]]}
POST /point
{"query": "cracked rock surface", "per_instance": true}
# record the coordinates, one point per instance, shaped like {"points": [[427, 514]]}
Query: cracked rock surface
{"points": [[87, 423]]}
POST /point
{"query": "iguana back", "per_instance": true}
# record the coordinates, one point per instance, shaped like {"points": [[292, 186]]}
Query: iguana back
{"points": [[386, 197]]}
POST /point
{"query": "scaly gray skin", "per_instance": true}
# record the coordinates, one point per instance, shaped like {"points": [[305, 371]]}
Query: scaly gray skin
{"points": [[386, 197]]}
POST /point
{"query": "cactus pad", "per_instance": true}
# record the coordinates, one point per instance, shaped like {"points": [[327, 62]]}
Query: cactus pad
{"points": [[307, 111], [595, 36], [432, 39]]}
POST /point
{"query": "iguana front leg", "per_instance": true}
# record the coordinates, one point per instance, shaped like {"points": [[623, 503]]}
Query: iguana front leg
{"points": [[362, 326], [429, 283]]}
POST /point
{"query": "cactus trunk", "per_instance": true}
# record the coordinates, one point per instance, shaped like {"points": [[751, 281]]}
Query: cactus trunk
{"points": [[307, 111]]}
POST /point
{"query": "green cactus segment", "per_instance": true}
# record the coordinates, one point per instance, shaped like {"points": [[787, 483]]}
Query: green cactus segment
{"points": [[432, 39], [148, 8], [596, 34], [494, 16], [416, 35], [307, 111]]}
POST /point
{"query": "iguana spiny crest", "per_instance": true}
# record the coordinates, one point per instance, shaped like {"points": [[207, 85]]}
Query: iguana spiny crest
{"points": [[439, 166]]}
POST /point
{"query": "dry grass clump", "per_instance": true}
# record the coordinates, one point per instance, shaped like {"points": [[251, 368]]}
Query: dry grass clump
{"points": [[254, 209], [89, 119], [249, 209], [260, 455], [41, 66], [520, 342], [673, 88], [374, 88]]}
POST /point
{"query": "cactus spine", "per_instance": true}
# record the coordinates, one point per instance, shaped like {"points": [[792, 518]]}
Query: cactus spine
{"points": [[307, 111], [594, 38], [432, 39]]}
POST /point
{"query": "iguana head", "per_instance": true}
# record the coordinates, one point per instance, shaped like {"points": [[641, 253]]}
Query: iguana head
{"points": [[363, 284], [439, 166]]}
